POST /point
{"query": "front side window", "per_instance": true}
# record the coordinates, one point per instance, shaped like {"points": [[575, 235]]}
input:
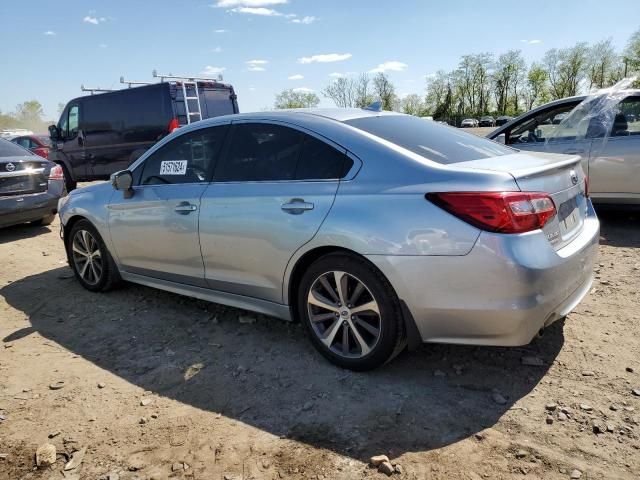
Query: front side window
{"points": [[539, 128], [188, 158], [627, 119], [74, 120]]}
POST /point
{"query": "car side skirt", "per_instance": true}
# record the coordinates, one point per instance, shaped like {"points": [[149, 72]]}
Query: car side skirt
{"points": [[238, 301]]}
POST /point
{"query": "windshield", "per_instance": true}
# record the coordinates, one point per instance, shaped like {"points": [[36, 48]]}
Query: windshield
{"points": [[438, 143], [8, 149], [45, 140]]}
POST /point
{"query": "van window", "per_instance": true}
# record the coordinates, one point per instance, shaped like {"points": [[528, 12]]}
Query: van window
{"points": [[74, 114], [188, 158]]}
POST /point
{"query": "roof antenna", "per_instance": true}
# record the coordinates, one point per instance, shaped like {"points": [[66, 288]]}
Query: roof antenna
{"points": [[375, 106]]}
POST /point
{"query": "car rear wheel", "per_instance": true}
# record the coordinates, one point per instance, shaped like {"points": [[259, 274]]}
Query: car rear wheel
{"points": [[90, 260], [351, 312]]}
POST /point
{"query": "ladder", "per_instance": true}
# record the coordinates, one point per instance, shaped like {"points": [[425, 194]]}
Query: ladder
{"points": [[186, 98], [188, 83]]}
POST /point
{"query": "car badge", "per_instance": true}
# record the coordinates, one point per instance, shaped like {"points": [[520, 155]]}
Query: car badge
{"points": [[10, 167], [574, 177]]}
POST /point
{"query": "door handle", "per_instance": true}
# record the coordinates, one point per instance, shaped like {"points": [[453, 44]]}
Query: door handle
{"points": [[573, 151], [296, 206], [185, 208]]}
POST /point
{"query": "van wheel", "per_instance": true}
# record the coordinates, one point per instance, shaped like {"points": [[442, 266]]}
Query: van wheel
{"points": [[90, 260], [69, 182], [351, 312]]}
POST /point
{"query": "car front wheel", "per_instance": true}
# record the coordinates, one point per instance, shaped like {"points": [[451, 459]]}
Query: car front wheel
{"points": [[90, 260], [351, 312]]}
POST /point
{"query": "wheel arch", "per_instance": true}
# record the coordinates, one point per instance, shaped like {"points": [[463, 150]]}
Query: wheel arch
{"points": [[412, 333]]}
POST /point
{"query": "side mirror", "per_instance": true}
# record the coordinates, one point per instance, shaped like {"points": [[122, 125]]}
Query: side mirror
{"points": [[54, 133], [500, 138], [122, 181]]}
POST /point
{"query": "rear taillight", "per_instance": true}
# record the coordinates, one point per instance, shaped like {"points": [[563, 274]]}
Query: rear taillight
{"points": [[173, 124], [501, 212], [56, 173], [41, 151]]}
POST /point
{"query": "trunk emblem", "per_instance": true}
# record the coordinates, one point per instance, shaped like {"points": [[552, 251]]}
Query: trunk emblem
{"points": [[10, 167], [574, 177]]}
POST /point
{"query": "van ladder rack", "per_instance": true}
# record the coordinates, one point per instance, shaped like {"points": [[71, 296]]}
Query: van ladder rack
{"points": [[133, 82], [94, 90], [188, 83]]}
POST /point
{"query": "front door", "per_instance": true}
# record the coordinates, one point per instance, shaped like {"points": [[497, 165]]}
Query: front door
{"points": [[155, 231], [72, 142], [614, 165], [271, 192]]}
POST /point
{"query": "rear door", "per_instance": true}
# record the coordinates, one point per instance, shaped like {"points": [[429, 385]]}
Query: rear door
{"points": [[614, 164], [155, 231], [272, 189]]}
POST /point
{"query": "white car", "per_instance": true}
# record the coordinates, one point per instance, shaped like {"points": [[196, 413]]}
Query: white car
{"points": [[469, 123]]}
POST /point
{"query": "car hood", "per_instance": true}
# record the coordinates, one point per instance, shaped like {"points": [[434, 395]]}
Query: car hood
{"points": [[95, 187]]}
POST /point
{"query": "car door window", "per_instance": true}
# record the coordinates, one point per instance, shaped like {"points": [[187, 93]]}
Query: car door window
{"points": [[321, 161], [188, 158], [538, 128], [260, 152], [627, 120], [73, 123]]}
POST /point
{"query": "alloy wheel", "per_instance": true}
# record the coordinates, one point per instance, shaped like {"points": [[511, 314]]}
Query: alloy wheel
{"points": [[344, 314], [87, 257]]}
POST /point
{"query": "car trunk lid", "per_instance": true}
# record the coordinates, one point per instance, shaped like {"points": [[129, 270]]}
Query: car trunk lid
{"points": [[559, 176], [22, 176]]}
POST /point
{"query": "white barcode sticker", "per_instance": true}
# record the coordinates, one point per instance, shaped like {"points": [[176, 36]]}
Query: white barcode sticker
{"points": [[173, 167]]}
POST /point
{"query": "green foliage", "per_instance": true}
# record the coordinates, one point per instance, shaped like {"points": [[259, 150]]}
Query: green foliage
{"points": [[291, 99]]}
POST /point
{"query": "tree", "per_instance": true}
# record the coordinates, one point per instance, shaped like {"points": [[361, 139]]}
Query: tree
{"points": [[412, 104], [536, 91], [509, 78], [385, 91], [29, 112], [566, 69], [632, 53], [602, 65], [348, 92], [291, 99]]}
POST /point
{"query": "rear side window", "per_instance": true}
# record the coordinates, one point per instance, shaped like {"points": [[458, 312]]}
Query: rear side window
{"points": [[266, 152], [430, 140], [188, 158], [320, 161], [260, 152]]}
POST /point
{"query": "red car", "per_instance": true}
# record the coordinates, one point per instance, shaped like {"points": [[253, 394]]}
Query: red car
{"points": [[38, 144]]}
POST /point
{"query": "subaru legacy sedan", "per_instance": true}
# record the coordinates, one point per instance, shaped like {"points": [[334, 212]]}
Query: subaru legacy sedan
{"points": [[374, 229]]}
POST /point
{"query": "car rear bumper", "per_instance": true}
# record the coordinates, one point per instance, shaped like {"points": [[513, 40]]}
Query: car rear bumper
{"points": [[501, 293], [16, 209]]}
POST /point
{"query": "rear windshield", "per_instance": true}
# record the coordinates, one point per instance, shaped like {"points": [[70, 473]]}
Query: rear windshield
{"points": [[439, 143], [8, 149]]}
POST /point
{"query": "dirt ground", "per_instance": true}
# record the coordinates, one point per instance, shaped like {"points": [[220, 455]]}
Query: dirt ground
{"points": [[161, 386]]}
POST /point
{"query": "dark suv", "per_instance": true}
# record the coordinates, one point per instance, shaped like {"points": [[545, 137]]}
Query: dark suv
{"points": [[100, 134]]}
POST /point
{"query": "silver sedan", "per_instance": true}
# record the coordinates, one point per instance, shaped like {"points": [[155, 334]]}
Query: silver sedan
{"points": [[375, 230], [610, 150]]}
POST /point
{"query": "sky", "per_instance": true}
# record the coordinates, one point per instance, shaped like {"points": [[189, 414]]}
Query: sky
{"points": [[261, 47]]}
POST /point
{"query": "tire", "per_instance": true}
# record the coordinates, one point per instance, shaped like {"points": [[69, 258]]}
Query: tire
{"points": [[373, 335], [69, 182], [101, 274], [44, 221]]}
